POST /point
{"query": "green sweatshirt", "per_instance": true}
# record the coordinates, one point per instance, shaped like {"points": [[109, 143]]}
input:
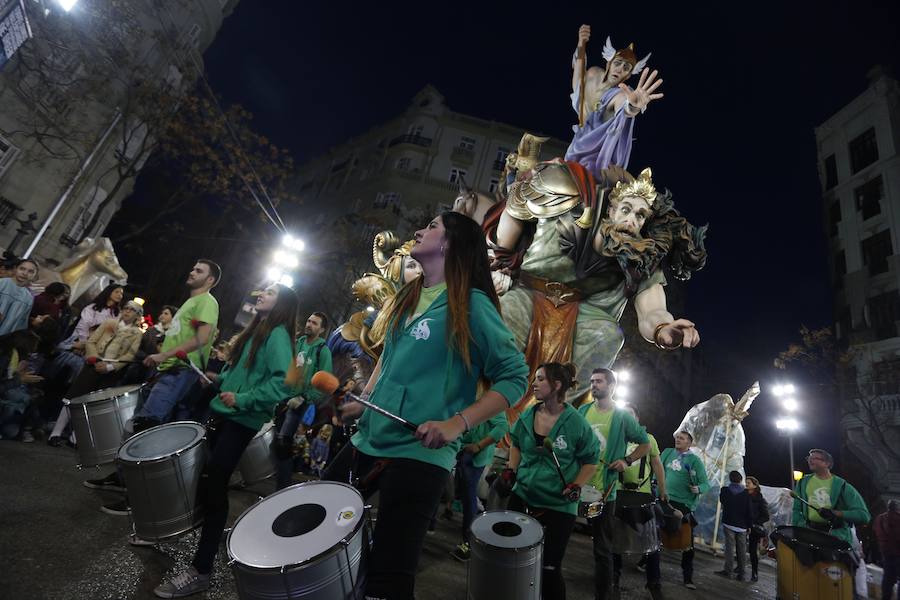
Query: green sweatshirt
{"points": [[682, 471], [257, 389], [495, 427], [537, 481], [423, 379], [311, 364], [843, 497], [622, 429]]}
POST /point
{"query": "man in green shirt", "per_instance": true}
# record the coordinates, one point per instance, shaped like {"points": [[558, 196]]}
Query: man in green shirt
{"points": [[614, 428], [685, 481], [835, 503], [312, 355]]}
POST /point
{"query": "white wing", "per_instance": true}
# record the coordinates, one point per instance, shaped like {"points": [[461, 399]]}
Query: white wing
{"points": [[640, 66], [608, 50]]}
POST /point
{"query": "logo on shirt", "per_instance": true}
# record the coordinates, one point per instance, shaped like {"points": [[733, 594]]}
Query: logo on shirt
{"points": [[821, 498], [560, 442], [421, 331], [598, 431], [675, 465]]}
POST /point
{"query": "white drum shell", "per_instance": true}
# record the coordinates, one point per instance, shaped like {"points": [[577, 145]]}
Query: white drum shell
{"points": [[98, 420], [258, 461], [505, 572], [162, 490]]}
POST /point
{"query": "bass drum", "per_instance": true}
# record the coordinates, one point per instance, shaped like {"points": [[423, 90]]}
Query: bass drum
{"points": [[98, 420], [507, 556], [813, 565], [308, 541]]}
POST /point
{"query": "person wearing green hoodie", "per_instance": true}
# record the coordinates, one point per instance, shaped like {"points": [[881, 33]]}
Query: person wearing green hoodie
{"points": [[551, 431], [614, 429], [313, 356], [835, 504], [444, 336], [686, 481], [259, 375]]}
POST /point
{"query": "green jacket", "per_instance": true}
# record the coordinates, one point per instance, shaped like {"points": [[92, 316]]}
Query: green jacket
{"points": [[847, 500], [423, 379], [257, 389], [537, 480], [682, 471], [495, 427], [623, 428], [313, 360]]}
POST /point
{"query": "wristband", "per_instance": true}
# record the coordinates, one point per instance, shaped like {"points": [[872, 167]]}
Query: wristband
{"points": [[465, 420]]}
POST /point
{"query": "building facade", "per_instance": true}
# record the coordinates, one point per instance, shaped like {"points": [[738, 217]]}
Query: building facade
{"points": [[67, 151], [859, 167]]}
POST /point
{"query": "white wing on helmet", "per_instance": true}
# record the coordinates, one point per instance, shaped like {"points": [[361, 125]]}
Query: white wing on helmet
{"points": [[641, 64], [608, 50]]}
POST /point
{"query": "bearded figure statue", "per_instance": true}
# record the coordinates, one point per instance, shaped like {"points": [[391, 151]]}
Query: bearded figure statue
{"points": [[568, 253]]}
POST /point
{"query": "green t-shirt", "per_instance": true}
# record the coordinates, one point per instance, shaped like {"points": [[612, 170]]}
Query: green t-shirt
{"points": [[818, 491], [632, 475], [428, 295], [202, 308], [600, 420]]}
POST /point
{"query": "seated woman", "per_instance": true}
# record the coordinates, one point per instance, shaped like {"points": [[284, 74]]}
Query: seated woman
{"points": [[17, 374], [109, 349]]}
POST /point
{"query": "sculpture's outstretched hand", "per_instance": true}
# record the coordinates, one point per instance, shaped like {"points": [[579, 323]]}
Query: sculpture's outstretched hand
{"points": [[643, 93], [679, 333]]}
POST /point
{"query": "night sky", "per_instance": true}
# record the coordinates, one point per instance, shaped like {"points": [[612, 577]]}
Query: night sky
{"points": [[733, 138]]}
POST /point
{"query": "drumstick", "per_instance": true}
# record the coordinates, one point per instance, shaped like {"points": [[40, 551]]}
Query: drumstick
{"points": [[795, 496], [327, 383], [93, 360], [183, 357], [548, 445]]}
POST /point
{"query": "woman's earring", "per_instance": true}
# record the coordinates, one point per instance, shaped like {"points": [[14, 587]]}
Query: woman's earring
{"points": [[442, 249]]}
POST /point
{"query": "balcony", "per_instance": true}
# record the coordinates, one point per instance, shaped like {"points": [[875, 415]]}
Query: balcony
{"points": [[462, 156], [408, 138]]}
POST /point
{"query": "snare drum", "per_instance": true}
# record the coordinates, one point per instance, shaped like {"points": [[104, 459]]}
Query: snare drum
{"points": [[162, 468], [258, 461], [590, 504], [634, 524], [306, 541], [98, 420], [813, 565], [507, 555]]}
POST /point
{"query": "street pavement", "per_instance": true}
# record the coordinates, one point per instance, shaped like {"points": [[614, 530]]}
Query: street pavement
{"points": [[56, 544]]}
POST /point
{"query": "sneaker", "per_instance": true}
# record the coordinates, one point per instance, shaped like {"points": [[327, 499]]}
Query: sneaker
{"points": [[690, 585], [55, 441], [723, 573], [754, 577], [134, 540], [27, 437], [462, 552], [110, 483], [183, 584], [119, 509]]}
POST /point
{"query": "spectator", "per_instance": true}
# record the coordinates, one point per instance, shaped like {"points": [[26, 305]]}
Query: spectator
{"points": [[760, 510], [15, 375], [51, 300], [15, 298], [737, 518], [887, 532], [151, 343]]}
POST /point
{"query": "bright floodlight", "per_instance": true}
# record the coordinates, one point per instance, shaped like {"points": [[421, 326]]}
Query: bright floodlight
{"points": [[293, 243], [778, 390], [273, 274], [287, 259], [620, 403], [67, 4], [623, 375], [790, 404], [621, 391], [788, 424], [286, 280], [788, 389]]}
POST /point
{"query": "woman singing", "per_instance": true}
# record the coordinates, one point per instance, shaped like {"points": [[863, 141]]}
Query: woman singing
{"points": [[252, 383], [444, 333], [539, 489]]}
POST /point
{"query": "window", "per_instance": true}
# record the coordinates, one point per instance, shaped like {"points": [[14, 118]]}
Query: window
{"points": [[7, 211], [415, 129], [868, 198], [90, 203], [834, 217], [886, 376], [843, 324], [840, 269], [386, 199], [8, 154], [492, 188], [830, 172], [883, 312], [502, 153], [456, 173], [863, 150], [467, 143], [875, 251], [403, 163]]}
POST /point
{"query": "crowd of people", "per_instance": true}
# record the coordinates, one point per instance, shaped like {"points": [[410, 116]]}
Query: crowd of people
{"points": [[445, 333]]}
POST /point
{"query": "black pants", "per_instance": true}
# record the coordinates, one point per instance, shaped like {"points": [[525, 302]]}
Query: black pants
{"points": [[753, 548], [409, 492], [649, 561], [227, 443], [557, 529], [601, 533], [687, 556], [891, 564]]}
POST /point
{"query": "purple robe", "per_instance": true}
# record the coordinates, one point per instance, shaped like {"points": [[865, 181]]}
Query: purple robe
{"points": [[601, 143]]}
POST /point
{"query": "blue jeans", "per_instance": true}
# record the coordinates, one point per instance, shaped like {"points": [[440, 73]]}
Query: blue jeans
{"points": [[171, 387], [469, 476]]}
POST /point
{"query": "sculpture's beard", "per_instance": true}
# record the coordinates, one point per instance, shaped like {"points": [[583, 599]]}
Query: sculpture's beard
{"points": [[618, 242]]}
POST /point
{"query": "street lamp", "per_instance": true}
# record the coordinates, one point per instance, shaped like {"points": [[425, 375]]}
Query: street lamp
{"points": [[620, 395], [788, 425], [285, 260], [67, 5]]}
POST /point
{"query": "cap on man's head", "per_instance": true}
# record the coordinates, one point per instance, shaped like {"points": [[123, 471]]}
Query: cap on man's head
{"points": [[135, 307]]}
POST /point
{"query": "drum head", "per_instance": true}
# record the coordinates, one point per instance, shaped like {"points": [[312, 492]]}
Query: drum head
{"points": [[507, 529], [296, 524], [810, 537], [161, 441], [590, 494], [105, 394]]}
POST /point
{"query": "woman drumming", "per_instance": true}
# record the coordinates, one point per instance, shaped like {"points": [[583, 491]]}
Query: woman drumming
{"points": [[252, 383], [539, 489], [444, 334]]}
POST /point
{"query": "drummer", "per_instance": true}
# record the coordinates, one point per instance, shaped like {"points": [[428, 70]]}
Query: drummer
{"points": [[614, 428], [835, 504], [638, 478], [539, 488], [444, 334], [685, 481], [254, 381]]}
